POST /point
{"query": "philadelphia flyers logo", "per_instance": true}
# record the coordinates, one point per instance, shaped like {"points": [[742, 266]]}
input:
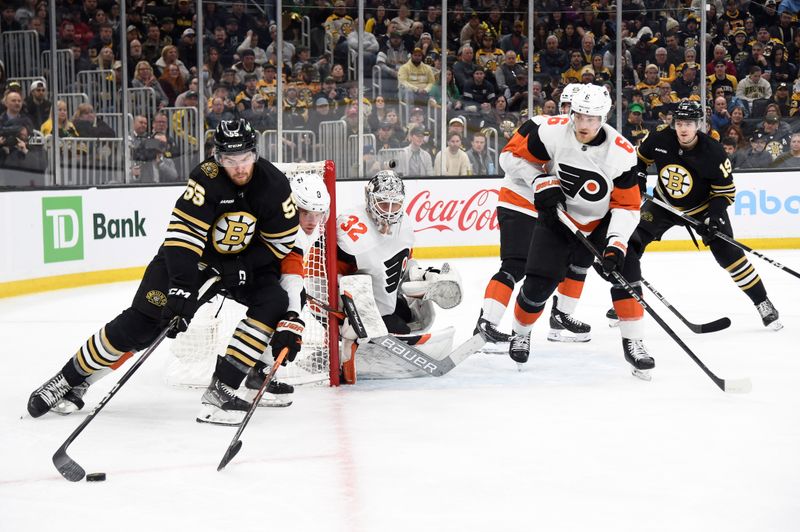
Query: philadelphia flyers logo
{"points": [[587, 184], [394, 270]]}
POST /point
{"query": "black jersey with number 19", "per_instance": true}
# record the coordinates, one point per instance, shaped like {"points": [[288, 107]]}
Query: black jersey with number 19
{"points": [[688, 179], [216, 220]]}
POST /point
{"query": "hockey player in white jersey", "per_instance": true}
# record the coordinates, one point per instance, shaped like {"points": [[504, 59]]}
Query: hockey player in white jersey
{"points": [[313, 203], [516, 215], [377, 240], [583, 165]]}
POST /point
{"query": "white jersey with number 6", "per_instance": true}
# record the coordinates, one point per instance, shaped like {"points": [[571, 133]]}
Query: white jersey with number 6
{"points": [[382, 257]]}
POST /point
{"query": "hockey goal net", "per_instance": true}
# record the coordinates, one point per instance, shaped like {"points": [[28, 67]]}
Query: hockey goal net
{"points": [[194, 352]]}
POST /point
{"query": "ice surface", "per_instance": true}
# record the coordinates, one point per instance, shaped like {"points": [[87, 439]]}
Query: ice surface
{"points": [[572, 443]]}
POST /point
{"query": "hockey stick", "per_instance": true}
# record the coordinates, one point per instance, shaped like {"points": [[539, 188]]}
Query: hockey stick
{"points": [[395, 346], [720, 235], [236, 444], [68, 467], [713, 326], [729, 385]]}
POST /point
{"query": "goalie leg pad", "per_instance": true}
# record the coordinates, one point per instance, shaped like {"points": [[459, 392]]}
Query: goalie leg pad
{"points": [[360, 289], [422, 313]]}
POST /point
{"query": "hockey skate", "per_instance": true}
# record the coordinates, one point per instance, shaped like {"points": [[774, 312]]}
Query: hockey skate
{"points": [[277, 394], [769, 315], [613, 319], [637, 356], [221, 406], [565, 328], [48, 395], [492, 335], [72, 401], [519, 348]]}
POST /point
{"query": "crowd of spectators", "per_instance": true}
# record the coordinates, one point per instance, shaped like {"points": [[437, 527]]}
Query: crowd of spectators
{"points": [[753, 89]]}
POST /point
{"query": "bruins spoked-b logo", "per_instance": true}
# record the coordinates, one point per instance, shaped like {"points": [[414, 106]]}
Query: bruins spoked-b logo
{"points": [[676, 180], [233, 231]]}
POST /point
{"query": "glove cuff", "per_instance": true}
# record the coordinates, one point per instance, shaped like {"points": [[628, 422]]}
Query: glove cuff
{"points": [[617, 243], [544, 182]]}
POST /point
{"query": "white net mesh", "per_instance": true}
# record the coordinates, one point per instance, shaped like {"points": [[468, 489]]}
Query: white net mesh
{"points": [[193, 353]]}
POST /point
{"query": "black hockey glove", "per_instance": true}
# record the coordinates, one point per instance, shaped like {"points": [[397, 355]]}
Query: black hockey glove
{"points": [[613, 257], [235, 273], [288, 333], [547, 196], [641, 178], [178, 311], [713, 221]]}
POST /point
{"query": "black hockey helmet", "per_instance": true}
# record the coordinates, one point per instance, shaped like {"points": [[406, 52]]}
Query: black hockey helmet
{"points": [[688, 110], [234, 136]]}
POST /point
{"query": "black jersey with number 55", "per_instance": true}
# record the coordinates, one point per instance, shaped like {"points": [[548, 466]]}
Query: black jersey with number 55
{"points": [[688, 179], [215, 220]]}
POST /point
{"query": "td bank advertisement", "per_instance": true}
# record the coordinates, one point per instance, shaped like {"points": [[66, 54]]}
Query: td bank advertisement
{"points": [[55, 233]]}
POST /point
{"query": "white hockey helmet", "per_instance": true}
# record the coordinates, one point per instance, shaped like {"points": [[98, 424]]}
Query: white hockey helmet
{"points": [[568, 92], [385, 194], [592, 100], [310, 192]]}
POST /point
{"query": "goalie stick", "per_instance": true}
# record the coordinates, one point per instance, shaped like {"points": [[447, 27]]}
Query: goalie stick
{"points": [[726, 385], [69, 468], [713, 326], [236, 444], [409, 354], [697, 223]]}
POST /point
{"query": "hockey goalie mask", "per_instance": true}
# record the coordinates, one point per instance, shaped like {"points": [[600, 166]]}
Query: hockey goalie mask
{"points": [[385, 194]]}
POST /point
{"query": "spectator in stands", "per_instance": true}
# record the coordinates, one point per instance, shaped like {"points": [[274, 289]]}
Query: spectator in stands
{"points": [[36, 105], [735, 132], [479, 158], [416, 79], [88, 125], [479, 94], [573, 73], [19, 152], [553, 60], [104, 60], [134, 56], [153, 43], [247, 67], [158, 169], [464, 67], [739, 50], [757, 156], [720, 54], [187, 50], [518, 94], [244, 98], [730, 146], [785, 30], [217, 113], [498, 114], [634, 129], [720, 118], [65, 126], [14, 112], [782, 70], [180, 101], [601, 73], [505, 75], [169, 56], [738, 118], [213, 67], [230, 80], [720, 78], [258, 115], [753, 87], [649, 85], [377, 23], [675, 52], [104, 38], [390, 60], [295, 110], [756, 58], [144, 78], [469, 31], [687, 84], [418, 162], [456, 161], [172, 83], [782, 99], [777, 139], [288, 48], [386, 138], [514, 40], [791, 158]]}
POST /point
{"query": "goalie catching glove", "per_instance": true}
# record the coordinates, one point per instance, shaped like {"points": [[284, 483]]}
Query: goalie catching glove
{"points": [[440, 285], [289, 334]]}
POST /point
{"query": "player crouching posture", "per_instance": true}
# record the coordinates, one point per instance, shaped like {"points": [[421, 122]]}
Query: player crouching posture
{"points": [[592, 174], [695, 177], [236, 218], [391, 291]]}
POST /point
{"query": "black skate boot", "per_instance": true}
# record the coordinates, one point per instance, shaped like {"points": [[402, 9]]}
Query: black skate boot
{"points": [[637, 356], [72, 401], [489, 332], [221, 406], [519, 349], [613, 319], [565, 328], [769, 315], [48, 395], [254, 380]]}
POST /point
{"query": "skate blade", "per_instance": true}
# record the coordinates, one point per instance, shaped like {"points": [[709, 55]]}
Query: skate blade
{"points": [[775, 325], [217, 416], [495, 349], [613, 323], [643, 374], [269, 400], [520, 366], [555, 335], [65, 408]]}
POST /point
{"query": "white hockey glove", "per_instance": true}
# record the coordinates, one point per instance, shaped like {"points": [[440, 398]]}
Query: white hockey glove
{"points": [[440, 285]]}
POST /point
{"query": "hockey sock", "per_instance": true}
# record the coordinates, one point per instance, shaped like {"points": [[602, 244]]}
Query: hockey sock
{"points": [[747, 279], [526, 312], [630, 312], [97, 354], [570, 289], [249, 341], [497, 296]]}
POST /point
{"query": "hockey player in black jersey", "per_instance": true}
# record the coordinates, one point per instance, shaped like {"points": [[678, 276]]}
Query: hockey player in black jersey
{"points": [[236, 218], [695, 176]]}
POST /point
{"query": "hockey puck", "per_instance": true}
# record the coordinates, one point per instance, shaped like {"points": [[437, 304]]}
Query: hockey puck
{"points": [[95, 477]]}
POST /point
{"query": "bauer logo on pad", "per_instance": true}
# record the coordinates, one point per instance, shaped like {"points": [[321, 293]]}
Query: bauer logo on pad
{"points": [[62, 228]]}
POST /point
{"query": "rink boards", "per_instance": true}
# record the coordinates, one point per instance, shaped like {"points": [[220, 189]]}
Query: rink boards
{"points": [[72, 237]]}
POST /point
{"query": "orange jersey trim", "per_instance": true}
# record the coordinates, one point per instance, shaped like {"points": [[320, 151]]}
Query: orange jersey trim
{"points": [[626, 198], [518, 147], [512, 198], [292, 264]]}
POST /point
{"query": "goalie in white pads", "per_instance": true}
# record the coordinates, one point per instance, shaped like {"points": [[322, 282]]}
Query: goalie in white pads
{"points": [[393, 293]]}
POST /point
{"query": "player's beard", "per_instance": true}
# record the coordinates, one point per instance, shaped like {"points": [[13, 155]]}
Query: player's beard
{"points": [[240, 175]]}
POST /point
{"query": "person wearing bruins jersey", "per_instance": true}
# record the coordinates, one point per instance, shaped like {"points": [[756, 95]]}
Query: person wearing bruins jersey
{"points": [[236, 218], [695, 176]]}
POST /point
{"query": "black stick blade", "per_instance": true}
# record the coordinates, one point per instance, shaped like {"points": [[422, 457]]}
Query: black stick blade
{"points": [[713, 326], [232, 451], [68, 467]]}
